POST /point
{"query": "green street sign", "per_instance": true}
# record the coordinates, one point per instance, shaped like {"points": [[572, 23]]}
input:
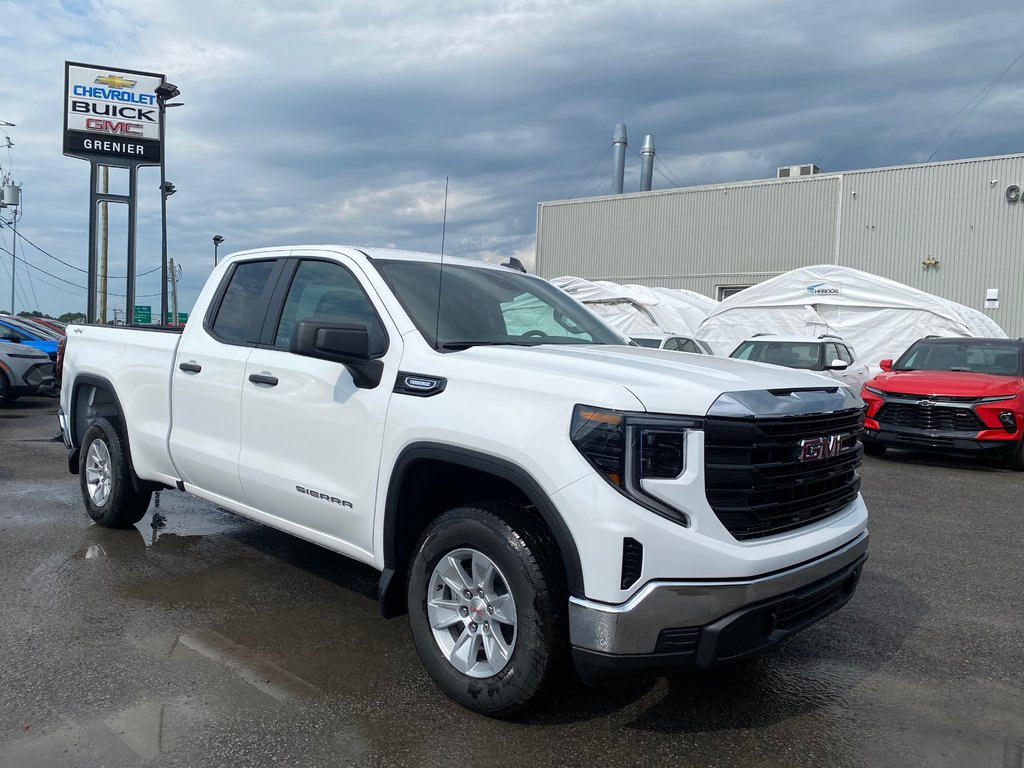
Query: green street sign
{"points": [[142, 315], [182, 318]]}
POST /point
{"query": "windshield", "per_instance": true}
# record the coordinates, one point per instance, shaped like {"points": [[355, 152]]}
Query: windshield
{"points": [[489, 307], [37, 330], [647, 342], [792, 354], [993, 357]]}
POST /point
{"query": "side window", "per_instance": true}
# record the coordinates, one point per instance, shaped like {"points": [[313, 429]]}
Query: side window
{"points": [[831, 353], [846, 353], [688, 346], [324, 290], [6, 330], [746, 352], [672, 344], [244, 304]]}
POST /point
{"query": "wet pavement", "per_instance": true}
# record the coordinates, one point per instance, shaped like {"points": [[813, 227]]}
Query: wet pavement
{"points": [[202, 638]]}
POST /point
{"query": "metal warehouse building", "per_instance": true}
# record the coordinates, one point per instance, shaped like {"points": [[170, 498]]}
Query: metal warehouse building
{"points": [[954, 229]]}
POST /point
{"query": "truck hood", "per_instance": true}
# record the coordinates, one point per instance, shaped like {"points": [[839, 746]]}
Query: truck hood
{"points": [[948, 383], [663, 381]]}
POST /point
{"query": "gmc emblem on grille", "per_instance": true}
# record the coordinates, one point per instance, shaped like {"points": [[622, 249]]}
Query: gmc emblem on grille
{"points": [[816, 448]]}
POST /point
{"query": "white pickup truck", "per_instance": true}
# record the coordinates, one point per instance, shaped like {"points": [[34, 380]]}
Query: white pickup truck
{"points": [[528, 483]]}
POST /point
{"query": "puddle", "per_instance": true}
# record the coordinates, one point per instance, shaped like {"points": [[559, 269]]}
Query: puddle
{"points": [[263, 675]]}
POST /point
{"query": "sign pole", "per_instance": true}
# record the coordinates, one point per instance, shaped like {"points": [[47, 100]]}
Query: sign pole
{"points": [[90, 303], [163, 222], [133, 189]]}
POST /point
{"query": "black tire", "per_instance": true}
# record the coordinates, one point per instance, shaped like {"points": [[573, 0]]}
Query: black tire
{"points": [[5, 389], [528, 560], [872, 448], [1015, 460], [123, 506]]}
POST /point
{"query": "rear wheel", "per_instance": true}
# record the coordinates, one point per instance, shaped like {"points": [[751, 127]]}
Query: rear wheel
{"points": [[487, 607], [105, 478], [5, 389]]}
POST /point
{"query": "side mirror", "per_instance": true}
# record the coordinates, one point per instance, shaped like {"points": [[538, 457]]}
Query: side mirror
{"points": [[886, 365], [345, 343], [837, 365]]}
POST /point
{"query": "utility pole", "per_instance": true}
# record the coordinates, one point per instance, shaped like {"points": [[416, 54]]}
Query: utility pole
{"points": [[173, 276], [10, 195], [105, 187]]}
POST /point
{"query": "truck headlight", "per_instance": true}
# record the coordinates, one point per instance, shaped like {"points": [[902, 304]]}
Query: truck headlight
{"points": [[626, 447]]}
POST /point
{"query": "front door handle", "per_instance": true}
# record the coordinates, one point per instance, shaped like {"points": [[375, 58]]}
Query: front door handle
{"points": [[262, 378], [190, 367]]}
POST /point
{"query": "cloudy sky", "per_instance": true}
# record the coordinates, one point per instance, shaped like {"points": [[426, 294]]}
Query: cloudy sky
{"points": [[338, 120]]}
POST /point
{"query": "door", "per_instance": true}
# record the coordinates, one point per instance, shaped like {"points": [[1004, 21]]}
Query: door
{"points": [[858, 372], [207, 380], [311, 439]]}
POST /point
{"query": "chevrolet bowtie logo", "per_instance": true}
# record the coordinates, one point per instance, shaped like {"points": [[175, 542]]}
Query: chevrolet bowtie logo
{"points": [[114, 81]]}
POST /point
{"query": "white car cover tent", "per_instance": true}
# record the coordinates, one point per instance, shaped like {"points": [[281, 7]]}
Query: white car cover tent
{"points": [[879, 317], [637, 309]]}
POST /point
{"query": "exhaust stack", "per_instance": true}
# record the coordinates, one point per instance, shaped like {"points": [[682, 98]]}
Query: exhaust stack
{"points": [[619, 158]]}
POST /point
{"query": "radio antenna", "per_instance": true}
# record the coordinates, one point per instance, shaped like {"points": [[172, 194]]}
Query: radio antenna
{"points": [[440, 269]]}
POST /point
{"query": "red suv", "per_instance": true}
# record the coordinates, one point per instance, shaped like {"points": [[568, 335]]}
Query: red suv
{"points": [[959, 396]]}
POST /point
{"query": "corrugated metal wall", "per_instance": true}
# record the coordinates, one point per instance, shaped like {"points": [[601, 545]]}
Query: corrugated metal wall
{"points": [[893, 219], [888, 221]]}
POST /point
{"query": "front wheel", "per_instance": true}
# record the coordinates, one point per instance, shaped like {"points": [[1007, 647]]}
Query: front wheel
{"points": [[487, 607], [1016, 459], [5, 389], [873, 448], [106, 480]]}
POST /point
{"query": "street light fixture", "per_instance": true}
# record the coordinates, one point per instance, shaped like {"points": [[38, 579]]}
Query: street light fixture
{"points": [[164, 92], [217, 240]]}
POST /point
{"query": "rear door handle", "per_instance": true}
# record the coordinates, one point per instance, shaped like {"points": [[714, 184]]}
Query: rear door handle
{"points": [[262, 378], [190, 367]]}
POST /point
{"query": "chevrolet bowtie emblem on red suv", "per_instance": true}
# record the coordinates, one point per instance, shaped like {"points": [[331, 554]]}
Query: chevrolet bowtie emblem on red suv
{"points": [[815, 448]]}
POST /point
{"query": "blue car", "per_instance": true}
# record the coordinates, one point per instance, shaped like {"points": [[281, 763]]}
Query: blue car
{"points": [[19, 333]]}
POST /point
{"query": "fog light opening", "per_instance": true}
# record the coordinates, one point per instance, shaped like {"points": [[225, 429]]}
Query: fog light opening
{"points": [[1009, 421]]}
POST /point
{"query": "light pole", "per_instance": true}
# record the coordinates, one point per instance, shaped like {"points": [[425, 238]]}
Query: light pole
{"points": [[164, 92], [217, 240]]}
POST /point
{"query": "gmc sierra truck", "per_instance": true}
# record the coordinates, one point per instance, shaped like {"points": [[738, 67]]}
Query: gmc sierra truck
{"points": [[530, 486]]}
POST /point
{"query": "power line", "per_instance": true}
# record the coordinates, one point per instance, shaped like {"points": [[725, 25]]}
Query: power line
{"points": [[980, 96], [72, 266], [76, 285], [18, 288]]}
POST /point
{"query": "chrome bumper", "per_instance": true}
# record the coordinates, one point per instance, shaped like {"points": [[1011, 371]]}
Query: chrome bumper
{"points": [[635, 626]]}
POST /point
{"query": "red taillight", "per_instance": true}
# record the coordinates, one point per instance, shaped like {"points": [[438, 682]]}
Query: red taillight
{"points": [[59, 371]]}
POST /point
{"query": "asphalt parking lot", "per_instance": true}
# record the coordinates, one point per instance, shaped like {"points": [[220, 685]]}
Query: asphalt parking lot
{"points": [[202, 638]]}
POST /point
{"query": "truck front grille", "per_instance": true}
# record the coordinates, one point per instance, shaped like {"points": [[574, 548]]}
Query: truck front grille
{"points": [[931, 417], [761, 479]]}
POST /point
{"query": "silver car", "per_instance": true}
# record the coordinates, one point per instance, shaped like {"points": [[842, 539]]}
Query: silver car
{"points": [[673, 341], [24, 370], [827, 354]]}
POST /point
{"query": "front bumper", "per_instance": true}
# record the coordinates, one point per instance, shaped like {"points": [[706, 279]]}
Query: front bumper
{"points": [[957, 443], [676, 626]]}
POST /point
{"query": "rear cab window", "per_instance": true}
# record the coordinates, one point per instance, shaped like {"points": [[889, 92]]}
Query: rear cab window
{"points": [[242, 307]]}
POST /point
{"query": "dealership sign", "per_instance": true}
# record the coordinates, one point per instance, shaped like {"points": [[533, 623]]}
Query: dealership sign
{"points": [[111, 115]]}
